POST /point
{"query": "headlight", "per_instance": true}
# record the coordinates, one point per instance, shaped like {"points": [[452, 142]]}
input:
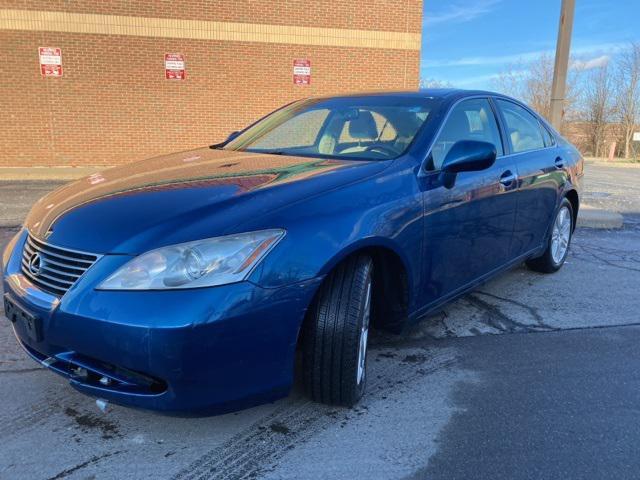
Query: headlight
{"points": [[204, 263]]}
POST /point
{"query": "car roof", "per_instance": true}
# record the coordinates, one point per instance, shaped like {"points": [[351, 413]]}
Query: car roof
{"points": [[442, 93], [449, 96]]}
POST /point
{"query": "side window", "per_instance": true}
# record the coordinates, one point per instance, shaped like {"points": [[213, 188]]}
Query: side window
{"points": [[469, 120], [548, 139], [525, 132]]}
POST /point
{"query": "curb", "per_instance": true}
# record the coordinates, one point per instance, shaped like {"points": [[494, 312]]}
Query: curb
{"points": [[26, 174], [615, 164], [590, 217]]}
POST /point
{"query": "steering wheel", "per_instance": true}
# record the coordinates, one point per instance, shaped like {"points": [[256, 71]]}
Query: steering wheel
{"points": [[382, 148]]}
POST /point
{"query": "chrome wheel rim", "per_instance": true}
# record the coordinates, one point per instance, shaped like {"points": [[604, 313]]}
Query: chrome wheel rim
{"points": [[364, 335], [561, 235]]}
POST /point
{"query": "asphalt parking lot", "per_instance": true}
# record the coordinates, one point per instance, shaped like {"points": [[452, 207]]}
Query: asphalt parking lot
{"points": [[531, 376]]}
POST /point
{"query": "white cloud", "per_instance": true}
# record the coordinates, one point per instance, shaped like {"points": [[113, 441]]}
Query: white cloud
{"points": [[601, 61], [477, 81], [524, 57], [459, 13], [492, 60]]}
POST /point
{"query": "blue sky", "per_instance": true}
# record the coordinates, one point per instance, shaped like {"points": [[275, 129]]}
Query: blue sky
{"points": [[468, 42]]}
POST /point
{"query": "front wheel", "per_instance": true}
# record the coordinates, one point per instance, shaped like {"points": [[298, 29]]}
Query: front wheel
{"points": [[558, 245], [336, 332]]}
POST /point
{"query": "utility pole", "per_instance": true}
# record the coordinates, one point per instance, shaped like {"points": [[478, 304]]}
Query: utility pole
{"points": [[559, 87]]}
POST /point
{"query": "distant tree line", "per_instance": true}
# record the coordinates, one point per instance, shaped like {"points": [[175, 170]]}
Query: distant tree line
{"points": [[602, 96], [602, 104]]}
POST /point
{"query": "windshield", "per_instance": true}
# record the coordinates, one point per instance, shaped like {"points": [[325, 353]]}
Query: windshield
{"points": [[371, 128]]}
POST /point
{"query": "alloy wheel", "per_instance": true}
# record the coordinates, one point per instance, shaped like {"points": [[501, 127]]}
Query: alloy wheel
{"points": [[561, 235], [364, 335]]}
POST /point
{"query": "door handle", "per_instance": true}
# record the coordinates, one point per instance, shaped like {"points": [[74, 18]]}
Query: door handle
{"points": [[507, 178], [559, 162]]}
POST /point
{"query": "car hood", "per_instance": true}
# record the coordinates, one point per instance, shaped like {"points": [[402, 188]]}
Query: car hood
{"points": [[181, 197]]}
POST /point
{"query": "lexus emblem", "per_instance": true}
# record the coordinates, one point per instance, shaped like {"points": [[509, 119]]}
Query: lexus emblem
{"points": [[35, 264]]}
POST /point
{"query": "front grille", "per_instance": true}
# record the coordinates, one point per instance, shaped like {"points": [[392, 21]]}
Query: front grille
{"points": [[54, 269]]}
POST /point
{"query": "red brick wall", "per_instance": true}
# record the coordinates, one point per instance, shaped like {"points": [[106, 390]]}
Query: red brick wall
{"points": [[113, 104], [389, 15]]}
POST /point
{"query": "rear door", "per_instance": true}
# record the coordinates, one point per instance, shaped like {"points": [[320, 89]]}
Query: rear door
{"points": [[540, 171], [468, 228]]}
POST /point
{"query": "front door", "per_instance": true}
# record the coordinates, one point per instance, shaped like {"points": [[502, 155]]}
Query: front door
{"points": [[468, 228]]}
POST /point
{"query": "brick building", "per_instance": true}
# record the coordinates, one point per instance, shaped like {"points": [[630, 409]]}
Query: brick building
{"points": [[113, 103]]}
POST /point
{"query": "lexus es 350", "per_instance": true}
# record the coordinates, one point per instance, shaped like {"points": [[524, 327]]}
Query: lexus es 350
{"points": [[191, 281]]}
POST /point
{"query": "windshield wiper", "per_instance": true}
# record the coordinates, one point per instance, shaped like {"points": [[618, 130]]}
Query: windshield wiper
{"points": [[267, 152]]}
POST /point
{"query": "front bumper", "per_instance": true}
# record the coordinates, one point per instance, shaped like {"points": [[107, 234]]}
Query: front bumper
{"points": [[214, 349]]}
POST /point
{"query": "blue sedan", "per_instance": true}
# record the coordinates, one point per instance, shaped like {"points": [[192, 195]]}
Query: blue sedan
{"points": [[192, 281]]}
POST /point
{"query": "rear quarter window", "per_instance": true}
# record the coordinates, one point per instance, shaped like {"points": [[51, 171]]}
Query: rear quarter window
{"points": [[548, 138]]}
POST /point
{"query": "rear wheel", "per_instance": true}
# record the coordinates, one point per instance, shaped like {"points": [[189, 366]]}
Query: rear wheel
{"points": [[558, 245], [336, 333]]}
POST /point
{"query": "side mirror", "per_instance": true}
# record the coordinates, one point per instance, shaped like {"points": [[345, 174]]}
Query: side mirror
{"points": [[467, 156]]}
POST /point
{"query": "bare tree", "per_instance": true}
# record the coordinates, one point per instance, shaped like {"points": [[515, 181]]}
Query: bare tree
{"points": [[628, 93], [538, 85], [531, 83], [511, 81], [598, 105], [434, 83]]}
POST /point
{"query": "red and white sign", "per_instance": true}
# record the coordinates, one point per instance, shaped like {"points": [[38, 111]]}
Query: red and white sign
{"points": [[174, 66], [50, 61], [302, 71]]}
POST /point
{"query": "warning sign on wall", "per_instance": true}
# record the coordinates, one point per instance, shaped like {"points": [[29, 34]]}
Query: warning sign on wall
{"points": [[174, 66], [302, 71], [50, 61]]}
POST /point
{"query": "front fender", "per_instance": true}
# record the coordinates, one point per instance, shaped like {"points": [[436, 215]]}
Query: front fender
{"points": [[365, 244], [385, 211]]}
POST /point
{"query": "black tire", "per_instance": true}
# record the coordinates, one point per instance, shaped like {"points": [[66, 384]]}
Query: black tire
{"points": [[546, 263], [332, 334]]}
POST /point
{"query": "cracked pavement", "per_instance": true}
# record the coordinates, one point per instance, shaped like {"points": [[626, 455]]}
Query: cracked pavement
{"points": [[529, 376]]}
